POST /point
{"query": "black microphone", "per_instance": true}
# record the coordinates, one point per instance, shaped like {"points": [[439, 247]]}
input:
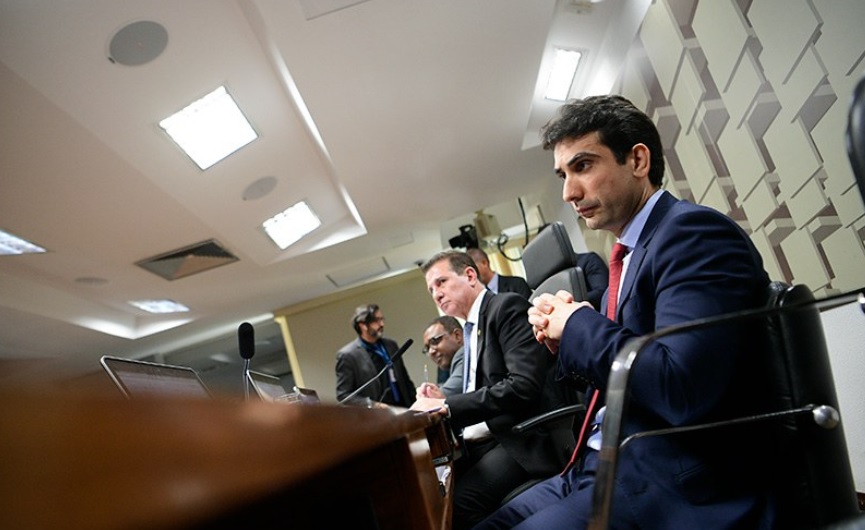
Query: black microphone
{"points": [[246, 345], [246, 340], [393, 359]]}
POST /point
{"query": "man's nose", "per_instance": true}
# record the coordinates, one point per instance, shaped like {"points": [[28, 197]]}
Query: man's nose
{"points": [[571, 190]]}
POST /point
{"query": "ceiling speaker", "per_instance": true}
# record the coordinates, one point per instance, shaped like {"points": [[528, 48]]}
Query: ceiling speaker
{"points": [[138, 43]]}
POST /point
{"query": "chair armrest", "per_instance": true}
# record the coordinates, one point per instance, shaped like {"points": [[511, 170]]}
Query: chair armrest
{"points": [[617, 396], [548, 417]]}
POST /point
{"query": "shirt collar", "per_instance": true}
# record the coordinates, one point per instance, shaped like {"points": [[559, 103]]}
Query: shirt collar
{"points": [[494, 283], [475, 311], [631, 234]]}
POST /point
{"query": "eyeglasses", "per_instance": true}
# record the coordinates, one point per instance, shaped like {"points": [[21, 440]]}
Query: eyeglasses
{"points": [[433, 341]]}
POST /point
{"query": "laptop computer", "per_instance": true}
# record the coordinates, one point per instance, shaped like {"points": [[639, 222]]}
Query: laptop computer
{"points": [[268, 387], [137, 379]]}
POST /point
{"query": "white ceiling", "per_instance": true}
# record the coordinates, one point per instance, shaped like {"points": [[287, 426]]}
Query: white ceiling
{"points": [[392, 118]]}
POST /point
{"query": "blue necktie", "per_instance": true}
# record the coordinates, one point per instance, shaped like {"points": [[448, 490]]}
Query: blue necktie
{"points": [[379, 348], [467, 354]]}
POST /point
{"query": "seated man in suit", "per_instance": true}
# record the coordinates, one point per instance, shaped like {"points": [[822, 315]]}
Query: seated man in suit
{"points": [[680, 262], [507, 382], [494, 281], [597, 276], [361, 359], [443, 342]]}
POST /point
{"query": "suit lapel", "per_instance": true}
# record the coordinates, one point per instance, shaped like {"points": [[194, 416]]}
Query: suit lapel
{"points": [[480, 330], [638, 254]]}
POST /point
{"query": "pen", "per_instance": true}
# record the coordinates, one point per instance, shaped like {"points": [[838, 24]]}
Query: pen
{"points": [[425, 374]]}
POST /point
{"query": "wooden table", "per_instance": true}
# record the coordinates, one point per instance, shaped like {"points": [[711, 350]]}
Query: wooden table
{"points": [[100, 463]]}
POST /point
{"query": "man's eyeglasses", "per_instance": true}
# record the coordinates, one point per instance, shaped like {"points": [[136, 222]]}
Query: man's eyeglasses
{"points": [[433, 341]]}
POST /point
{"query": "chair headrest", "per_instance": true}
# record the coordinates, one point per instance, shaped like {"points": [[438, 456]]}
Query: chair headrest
{"points": [[548, 253]]}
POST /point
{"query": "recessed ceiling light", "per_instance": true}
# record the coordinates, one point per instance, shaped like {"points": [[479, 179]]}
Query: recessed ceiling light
{"points": [[11, 245], [562, 75], [288, 226], [210, 129], [160, 306]]}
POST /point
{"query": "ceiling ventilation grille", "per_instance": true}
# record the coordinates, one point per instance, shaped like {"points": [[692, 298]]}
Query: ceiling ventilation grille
{"points": [[189, 260]]}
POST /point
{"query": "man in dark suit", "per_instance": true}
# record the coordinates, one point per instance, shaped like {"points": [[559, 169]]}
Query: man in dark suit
{"points": [[494, 281], [361, 359], [683, 262], [597, 276], [506, 383]]}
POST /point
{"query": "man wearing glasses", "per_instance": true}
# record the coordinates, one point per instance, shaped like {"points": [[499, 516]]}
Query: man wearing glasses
{"points": [[361, 359], [443, 342]]}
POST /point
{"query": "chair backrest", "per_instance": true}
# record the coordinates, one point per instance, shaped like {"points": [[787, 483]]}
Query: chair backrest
{"points": [[551, 264], [856, 135], [815, 479]]}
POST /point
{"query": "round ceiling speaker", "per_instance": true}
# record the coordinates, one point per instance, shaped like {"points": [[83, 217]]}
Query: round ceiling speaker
{"points": [[259, 188], [138, 43]]}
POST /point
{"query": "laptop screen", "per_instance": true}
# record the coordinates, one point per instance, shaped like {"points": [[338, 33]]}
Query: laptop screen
{"points": [[268, 387], [140, 378]]}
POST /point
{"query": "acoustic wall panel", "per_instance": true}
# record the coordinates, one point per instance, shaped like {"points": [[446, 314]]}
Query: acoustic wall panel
{"points": [[723, 31], [751, 99]]}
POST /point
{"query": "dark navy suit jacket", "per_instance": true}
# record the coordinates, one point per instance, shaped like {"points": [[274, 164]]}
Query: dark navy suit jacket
{"points": [[597, 276], [514, 284], [690, 262]]}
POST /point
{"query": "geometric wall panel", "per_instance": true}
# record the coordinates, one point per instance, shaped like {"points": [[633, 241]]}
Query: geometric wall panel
{"points": [[752, 113]]}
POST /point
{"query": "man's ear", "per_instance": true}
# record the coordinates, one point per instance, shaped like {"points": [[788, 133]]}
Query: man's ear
{"points": [[641, 160]]}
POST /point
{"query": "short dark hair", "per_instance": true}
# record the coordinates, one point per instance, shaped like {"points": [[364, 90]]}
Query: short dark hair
{"points": [[477, 252], [457, 259], [619, 124], [449, 323], [364, 314]]}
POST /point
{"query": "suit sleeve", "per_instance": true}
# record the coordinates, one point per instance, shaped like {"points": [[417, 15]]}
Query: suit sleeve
{"points": [[345, 376], [454, 383]]}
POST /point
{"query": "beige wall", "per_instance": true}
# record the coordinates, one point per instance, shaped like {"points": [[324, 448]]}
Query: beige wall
{"points": [[318, 328]]}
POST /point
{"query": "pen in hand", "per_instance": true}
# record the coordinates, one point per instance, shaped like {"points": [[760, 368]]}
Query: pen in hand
{"points": [[425, 374]]}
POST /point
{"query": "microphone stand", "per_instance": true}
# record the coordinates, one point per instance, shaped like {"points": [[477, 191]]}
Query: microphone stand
{"points": [[246, 379], [361, 387], [389, 364]]}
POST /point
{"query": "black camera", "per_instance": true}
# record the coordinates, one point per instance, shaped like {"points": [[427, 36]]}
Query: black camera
{"points": [[468, 238]]}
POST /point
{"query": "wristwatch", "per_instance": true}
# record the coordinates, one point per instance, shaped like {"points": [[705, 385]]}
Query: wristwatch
{"points": [[447, 409]]}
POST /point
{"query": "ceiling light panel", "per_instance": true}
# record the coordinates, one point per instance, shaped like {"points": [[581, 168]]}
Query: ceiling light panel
{"points": [[565, 66], [210, 129], [288, 226], [11, 245], [160, 307]]}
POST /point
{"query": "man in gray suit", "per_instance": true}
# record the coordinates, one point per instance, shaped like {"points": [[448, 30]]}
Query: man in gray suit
{"points": [[443, 342]]}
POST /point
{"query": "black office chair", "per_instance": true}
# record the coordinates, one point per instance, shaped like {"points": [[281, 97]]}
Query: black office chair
{"points": [[551, 264], [815, 485]]}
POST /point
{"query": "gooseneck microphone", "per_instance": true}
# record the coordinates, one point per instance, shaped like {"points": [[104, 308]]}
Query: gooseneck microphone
{"points": [[246, 346], [393, 359]]}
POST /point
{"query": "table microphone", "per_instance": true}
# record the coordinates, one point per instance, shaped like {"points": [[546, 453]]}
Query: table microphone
{"points": [[393, 359], [246, 345]]}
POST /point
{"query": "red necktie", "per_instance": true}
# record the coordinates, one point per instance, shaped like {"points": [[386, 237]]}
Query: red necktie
{"points": [[616, 260], [617, 257]]}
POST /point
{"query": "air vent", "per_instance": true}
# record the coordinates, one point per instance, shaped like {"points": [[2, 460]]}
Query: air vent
{"points": [[189, 260]]}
